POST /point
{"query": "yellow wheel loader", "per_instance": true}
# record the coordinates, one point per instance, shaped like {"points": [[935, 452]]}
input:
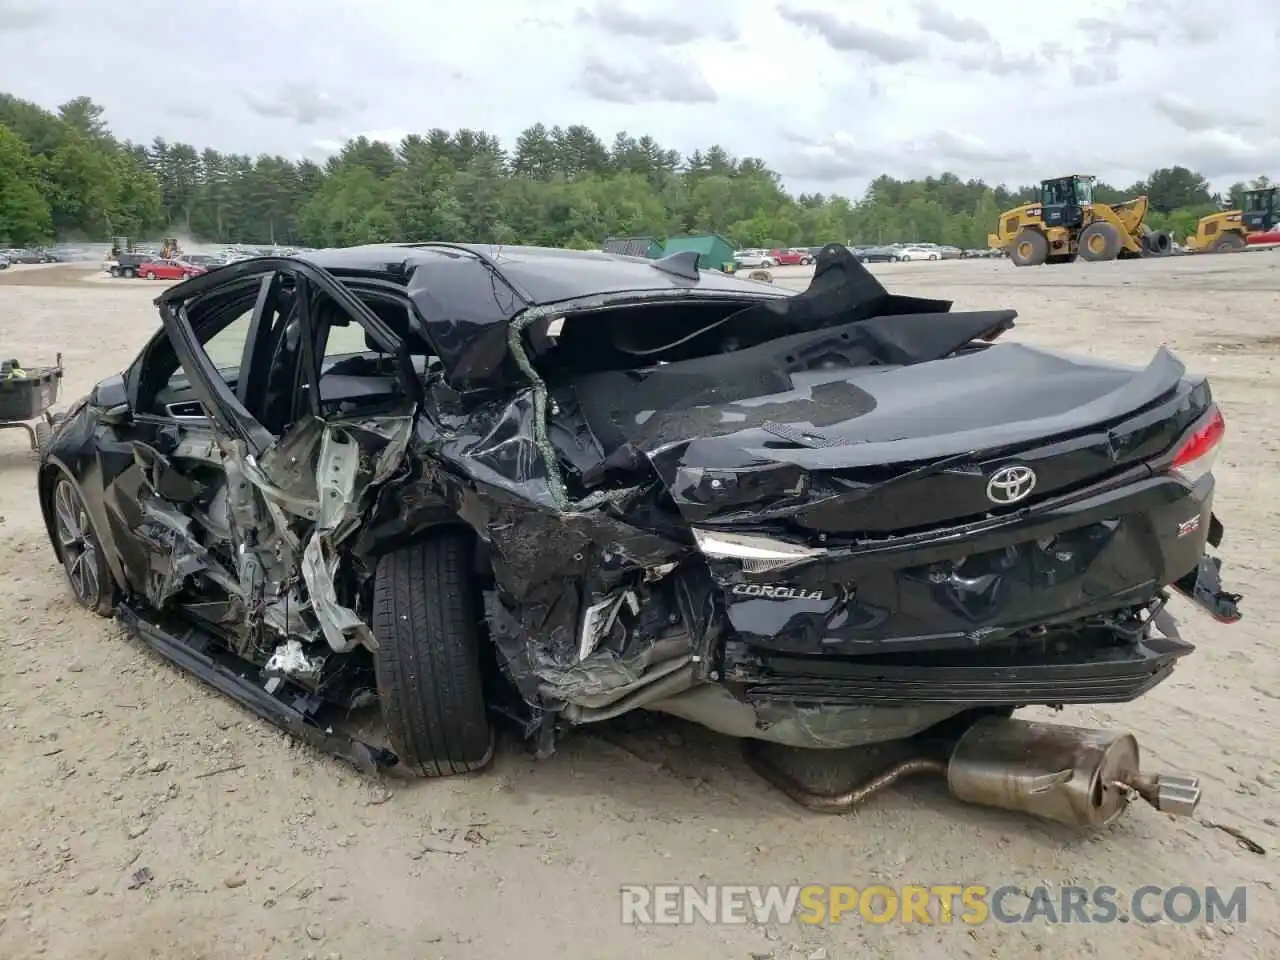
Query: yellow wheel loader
{"points": [[1255, 223], [169, 248], [1066, 222]]}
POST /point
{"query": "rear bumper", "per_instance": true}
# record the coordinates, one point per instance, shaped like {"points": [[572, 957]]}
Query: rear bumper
{"points": [[1099, 550], [1084, 672]]}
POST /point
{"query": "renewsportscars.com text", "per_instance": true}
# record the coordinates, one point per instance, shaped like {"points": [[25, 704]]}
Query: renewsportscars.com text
{"points": [[969, 904]]}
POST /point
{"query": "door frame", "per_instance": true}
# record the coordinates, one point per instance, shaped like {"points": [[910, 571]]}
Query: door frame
{"points": [[226, 409]]}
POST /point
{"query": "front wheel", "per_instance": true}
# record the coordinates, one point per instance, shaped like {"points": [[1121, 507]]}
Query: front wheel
{"points": [[81, 550], [129, 273], [116, 272], [1030, 248], [426, 617]]}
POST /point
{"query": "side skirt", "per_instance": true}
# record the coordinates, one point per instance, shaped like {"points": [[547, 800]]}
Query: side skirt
{"points": [[290, 709]]}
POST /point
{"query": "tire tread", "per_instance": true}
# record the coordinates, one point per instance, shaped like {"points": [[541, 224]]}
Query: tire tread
{"points": [[426, 619]]}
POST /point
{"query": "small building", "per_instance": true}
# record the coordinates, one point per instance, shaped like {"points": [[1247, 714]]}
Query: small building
{"points": [[713, 250], [634, 247]]}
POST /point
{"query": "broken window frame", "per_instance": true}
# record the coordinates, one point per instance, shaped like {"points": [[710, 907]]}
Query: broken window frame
{"points": [[228, 414]]}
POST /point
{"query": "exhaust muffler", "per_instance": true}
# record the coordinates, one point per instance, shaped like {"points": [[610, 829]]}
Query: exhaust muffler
{"points": [[1072, 775]]}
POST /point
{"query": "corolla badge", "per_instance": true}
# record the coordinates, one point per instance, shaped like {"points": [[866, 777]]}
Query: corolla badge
{"points": [[1010, 484], [773, 592]]}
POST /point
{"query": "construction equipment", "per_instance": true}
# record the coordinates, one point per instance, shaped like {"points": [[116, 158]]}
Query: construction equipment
{"points": [[1256, 223], [169, 248], [1066, 221]]}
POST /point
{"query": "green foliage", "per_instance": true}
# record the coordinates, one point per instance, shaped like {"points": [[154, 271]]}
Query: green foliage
{"points": [[85, 182], [24, 214], [64, 173]]}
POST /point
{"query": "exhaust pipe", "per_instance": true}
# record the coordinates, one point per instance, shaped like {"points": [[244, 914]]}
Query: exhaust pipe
{"points": [[1071, 775]]}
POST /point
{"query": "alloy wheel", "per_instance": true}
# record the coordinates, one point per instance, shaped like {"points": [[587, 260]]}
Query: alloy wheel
{"points": [[78, 544]]}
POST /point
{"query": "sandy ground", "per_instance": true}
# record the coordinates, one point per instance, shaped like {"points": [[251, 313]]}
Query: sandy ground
{"points": [[114, 762]]}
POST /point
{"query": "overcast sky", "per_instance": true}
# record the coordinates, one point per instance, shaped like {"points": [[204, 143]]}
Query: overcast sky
{"points": [[1005, 90]]}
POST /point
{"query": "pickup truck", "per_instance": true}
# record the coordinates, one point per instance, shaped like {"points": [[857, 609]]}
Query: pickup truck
{"points": [[125, 264]]}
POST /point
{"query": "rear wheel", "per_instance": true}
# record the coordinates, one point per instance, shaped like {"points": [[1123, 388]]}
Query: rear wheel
{"points": [[1229, 243], [1099, 241], [426, 616], [1030, 248], [81, 550], [115, 272], [129, 272]]}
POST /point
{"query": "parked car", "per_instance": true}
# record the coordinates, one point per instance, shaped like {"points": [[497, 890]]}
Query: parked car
{"points": [[879, 255], [950, 253], [4, 262], [791, 257], [28, 255], [170, 270], [754, 258], [205, 260], [917, 252]]}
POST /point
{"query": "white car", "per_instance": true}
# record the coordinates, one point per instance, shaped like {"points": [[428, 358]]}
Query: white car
{"points": [[919, 253], [754, 258]]}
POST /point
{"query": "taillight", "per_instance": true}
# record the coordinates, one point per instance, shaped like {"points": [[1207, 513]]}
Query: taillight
{"points": [[1197, 455]]}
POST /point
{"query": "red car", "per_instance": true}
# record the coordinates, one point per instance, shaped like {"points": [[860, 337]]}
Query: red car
{"points": [[792, 257], [169, 270]]}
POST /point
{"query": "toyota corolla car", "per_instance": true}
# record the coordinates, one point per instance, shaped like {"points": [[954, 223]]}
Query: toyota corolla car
{"points": [[554, 486]]}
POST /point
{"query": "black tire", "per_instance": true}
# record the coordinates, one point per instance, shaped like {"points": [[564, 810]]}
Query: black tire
{"points": [[1030, 248], [44, 433], [1157, 243], [115, 272], [1099, 241], [763, 275], [426, 617], [80, 549], [1229, 243], [129, 273]]}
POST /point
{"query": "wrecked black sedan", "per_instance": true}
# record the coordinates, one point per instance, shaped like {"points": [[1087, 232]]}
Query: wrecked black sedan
{"points": [[477, 482]]}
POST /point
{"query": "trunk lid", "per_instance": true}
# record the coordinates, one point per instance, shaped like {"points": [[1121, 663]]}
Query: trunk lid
{"points": [[889, 448]]}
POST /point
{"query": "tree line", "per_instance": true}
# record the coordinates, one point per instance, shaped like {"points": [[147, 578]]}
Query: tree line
{"points": [[64, 175]]}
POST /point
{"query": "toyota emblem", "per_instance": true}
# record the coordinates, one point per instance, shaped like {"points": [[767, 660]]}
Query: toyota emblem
{"points": [[1010, 484]]}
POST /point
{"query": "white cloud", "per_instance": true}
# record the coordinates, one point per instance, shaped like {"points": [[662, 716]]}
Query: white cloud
{"points": [[997, 89]]}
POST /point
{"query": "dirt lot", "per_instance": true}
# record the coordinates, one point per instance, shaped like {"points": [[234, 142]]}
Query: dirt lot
{"points": [[258, 848]]}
